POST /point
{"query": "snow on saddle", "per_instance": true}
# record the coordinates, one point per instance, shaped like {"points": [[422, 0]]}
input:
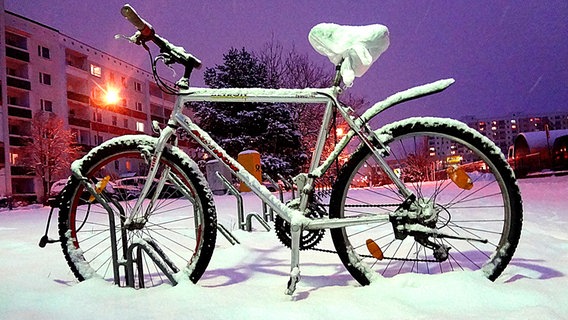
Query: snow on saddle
{"points": [[357, 46]]}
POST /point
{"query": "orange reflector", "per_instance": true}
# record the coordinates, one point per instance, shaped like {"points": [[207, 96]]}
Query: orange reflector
{"points": [[374, 249], [459, 177], [101, 185]]}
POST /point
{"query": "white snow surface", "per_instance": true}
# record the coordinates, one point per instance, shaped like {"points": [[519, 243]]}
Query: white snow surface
{"points": [[247, 281]]}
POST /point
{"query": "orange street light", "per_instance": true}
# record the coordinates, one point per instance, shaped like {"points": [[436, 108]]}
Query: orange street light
{"points": [[111, 96]]}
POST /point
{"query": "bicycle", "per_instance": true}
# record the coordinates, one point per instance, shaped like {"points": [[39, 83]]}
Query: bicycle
{"points": [[425, 195]]}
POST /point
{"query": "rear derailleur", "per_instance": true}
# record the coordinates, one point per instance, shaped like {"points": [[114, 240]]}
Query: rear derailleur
{"points": [[418, 219]]}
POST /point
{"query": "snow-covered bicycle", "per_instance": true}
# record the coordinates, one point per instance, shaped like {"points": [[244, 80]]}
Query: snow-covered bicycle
{"points": [[424, 195]]}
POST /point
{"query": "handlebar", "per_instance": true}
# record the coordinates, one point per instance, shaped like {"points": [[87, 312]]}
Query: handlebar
{"points": [[131, 15], [147, 33]]}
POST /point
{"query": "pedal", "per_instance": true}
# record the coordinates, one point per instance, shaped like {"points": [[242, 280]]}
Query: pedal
{"points": [[294, 279], [375, 250]]}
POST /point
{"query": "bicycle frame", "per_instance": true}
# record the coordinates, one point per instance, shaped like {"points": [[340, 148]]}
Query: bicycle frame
{"points": [[305, 181]]}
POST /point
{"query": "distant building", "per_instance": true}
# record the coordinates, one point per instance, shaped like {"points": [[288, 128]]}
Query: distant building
{"points": [[504, 130], [43, 69]]}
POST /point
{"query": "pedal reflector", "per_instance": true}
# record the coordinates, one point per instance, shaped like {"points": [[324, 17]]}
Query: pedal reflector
{"points": [[459, 177], [374, 249], [101, 185]]}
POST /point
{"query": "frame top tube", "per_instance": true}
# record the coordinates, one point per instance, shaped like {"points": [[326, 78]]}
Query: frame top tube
{"points": [[308, 95]]}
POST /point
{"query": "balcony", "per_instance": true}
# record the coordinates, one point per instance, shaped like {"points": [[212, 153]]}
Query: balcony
{"points": [[17, 54], [78, 97], [22, 171], [19, 83], [19, 112], [85, 123], [20, 141]]}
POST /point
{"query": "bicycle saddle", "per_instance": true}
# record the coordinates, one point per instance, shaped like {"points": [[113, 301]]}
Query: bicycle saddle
{"points": [[357, 46]]}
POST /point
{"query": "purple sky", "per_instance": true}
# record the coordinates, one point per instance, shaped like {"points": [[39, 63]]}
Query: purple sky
{"points": [[507, 56]]}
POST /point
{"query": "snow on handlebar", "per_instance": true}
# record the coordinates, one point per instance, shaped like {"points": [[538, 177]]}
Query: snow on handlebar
{"points": [[131, 15], [146, 33]]}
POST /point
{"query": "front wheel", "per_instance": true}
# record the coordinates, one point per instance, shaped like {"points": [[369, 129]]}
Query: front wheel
{"points": [[180, 231], [455, 172]]}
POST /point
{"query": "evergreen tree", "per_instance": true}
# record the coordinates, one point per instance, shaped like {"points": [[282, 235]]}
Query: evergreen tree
{"points": [[266, 128]]}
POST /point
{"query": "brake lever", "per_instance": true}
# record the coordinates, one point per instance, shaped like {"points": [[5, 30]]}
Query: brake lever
{"points": [[136, 38]]}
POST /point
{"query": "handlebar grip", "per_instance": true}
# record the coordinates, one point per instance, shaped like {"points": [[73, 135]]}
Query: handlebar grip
{"points": [[131, 15]]}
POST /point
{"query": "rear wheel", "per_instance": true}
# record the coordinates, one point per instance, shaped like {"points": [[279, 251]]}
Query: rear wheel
{"points": [[435, 158], [180, 232]]}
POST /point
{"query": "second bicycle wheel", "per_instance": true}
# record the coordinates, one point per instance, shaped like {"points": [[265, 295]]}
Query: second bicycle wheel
{"points": [[455, 173], [178, 237]]}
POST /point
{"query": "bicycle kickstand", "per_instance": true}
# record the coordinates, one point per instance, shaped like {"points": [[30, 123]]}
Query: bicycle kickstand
{"points": [[296, 231]]}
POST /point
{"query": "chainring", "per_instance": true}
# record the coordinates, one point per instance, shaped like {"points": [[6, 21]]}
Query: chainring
{"points": [[309, 238]]}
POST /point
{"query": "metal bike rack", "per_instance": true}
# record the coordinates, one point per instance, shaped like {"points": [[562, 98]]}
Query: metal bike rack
{"points": [[288, 184], [155, 253], [268, 213], [243, 225], [227, 234]]}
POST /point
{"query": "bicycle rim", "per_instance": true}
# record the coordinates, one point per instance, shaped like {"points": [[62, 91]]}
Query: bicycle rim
{"points": [[180, 232], [485, 215]]}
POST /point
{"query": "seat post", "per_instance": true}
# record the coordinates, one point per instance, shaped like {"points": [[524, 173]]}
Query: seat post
{"points": [[337, 78]]}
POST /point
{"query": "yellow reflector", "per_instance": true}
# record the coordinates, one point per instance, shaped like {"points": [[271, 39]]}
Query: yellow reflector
{"points": [[101, 185], [459, 177], [374, 249]]}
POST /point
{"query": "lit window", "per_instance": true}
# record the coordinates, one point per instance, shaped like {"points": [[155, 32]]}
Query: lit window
{"points": [[140, 126], [13, 158], [95, 70]]}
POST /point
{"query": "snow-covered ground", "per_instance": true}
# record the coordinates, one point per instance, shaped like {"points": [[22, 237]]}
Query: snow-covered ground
{"points": [[247, 281]]}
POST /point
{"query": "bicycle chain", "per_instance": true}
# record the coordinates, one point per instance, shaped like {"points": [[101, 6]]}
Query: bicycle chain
{"points": [[369, 256]]}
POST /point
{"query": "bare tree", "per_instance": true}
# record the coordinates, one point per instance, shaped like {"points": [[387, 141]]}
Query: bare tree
{"points": [[295, 70], [51, 150]]}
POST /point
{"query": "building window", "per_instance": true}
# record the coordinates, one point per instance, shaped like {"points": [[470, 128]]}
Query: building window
{"points": [[13, 158], [96, 70], [140, 126], [97, 116], [46, 105], [114, 121], [43, 52], [126, 123], [137, 86], [45, 78], [139, 106]]}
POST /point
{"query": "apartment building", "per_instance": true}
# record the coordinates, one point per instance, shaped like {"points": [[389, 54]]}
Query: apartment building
{"points": [[504, 130], [44, 69]]}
